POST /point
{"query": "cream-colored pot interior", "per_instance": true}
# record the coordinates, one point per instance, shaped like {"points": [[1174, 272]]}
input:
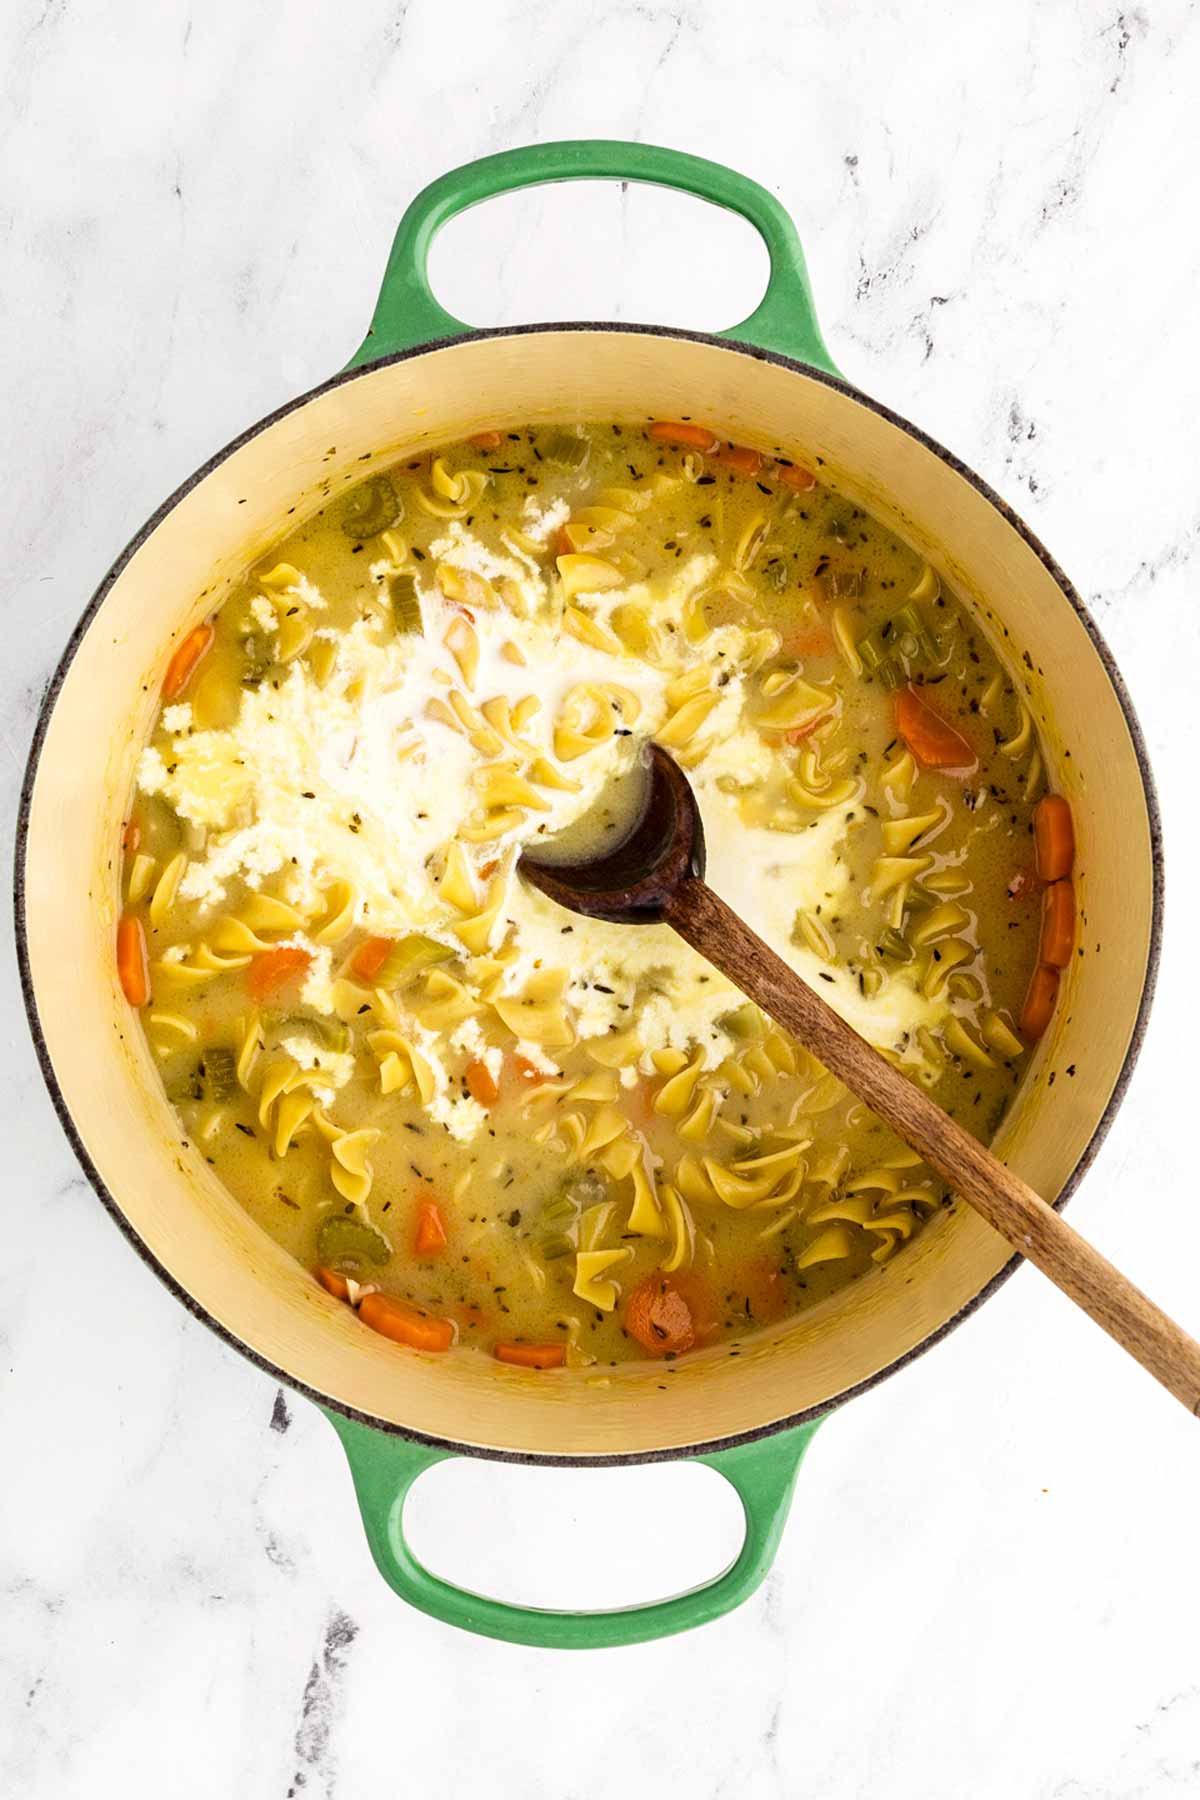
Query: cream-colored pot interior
{"points": [[202, 1239]]}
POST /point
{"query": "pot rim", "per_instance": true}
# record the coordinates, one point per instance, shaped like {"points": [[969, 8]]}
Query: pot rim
{"points": [[58, 1100]]}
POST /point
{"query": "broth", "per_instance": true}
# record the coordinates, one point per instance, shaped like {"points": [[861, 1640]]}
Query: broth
{"points": [[486, 1121]]}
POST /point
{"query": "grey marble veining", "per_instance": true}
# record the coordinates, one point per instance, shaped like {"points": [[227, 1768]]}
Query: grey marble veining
{"points": [[989, 1583]]}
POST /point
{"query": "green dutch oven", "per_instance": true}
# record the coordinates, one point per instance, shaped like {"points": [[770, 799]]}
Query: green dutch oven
{"points": [[422, 378]]}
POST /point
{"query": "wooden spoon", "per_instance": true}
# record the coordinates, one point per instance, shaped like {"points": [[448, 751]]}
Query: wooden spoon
{"points": [[656, 873]]}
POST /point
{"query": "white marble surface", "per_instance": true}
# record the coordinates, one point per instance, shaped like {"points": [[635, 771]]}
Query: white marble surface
{"points": [[989, 1585]]}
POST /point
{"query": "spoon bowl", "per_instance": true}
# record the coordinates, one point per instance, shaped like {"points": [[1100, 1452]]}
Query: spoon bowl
{"points": [[633, 882]]}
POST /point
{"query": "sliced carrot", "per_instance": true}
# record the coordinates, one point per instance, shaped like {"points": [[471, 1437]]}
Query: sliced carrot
{"points": [[793, 476], [1058, 924], [562, 542], [1038, 1009], [481, 1084], [131, 837], [275, 968], [333, 1283], [682, 431], [470, 1315], [932, 739], [704, 1305], [1053, 837], [637, 1102], [370, 957], [532, 1356], [404, 1324], [133, 969], [812, 639], [528, 1073], [181, 666], [430, 1235], [739, 458], [658, 1316], [807, 640], [766, 1289], [485, 440]]}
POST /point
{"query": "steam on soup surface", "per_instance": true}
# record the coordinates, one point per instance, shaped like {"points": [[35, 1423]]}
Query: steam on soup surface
{"points": [[478, 1118]]}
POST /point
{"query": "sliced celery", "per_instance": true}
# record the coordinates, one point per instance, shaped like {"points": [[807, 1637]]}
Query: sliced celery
{"points": [[565, 449], [909, 619], [345, 1239], [408, 955], [371, 507], [588, 1189], [554, 1247], [560, 1207], [872, 654], [742, 1022], [220, 1073], [332, 1034], [902, 643], [406, 608]]}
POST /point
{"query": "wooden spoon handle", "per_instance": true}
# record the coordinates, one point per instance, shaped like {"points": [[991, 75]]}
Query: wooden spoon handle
{"points": [[1008, 1204]]}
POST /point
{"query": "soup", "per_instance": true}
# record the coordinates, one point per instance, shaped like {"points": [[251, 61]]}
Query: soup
{"points": [[487, 1123]]}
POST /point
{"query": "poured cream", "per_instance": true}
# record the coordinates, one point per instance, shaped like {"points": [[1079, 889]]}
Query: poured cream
{"points": [[354, 778]]}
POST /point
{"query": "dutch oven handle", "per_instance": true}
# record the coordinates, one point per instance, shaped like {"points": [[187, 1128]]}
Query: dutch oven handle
{"points": [[385, 1467], [407, 315]]}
